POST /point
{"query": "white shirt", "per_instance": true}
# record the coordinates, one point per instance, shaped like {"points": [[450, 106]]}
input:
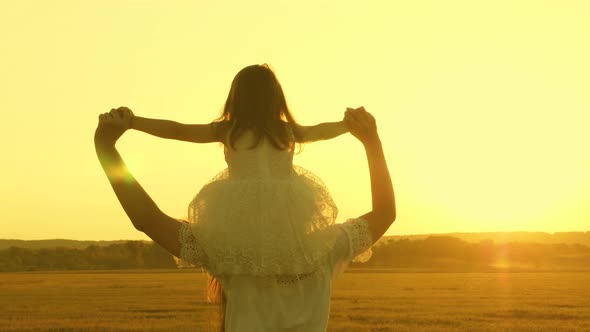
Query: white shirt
{"points": [[284, 303]]}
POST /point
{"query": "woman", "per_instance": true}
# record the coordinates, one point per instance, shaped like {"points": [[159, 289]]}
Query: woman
{"points": [[295, 300]]}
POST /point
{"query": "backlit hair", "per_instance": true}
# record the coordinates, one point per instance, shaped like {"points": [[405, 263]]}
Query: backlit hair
{"points": [[256, 102]]}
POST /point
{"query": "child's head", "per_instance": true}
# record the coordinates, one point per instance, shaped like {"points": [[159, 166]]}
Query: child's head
{"points": [[256, 102], [256, 96]]}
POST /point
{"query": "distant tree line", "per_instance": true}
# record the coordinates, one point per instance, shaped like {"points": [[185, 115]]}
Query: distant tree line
{"points": [[448, 253], [442, 253], [127, 255]]}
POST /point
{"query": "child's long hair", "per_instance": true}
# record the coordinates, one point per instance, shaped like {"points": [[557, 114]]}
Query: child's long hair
{"points": [[256, 102]]}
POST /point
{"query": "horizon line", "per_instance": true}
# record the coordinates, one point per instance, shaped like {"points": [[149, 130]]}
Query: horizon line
{"points": [[385, 235]]}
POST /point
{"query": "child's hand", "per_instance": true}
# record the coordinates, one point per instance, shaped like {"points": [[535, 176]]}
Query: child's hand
{"points": [[361, 123], [112, 125], [118, 117], [124, 115]]}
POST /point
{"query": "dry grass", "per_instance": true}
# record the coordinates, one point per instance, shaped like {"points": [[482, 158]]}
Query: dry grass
{"points": [[174, 301]]}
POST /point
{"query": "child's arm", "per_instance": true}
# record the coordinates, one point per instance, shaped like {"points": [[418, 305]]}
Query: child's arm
{"points": [[322, 131], [196, 133]]}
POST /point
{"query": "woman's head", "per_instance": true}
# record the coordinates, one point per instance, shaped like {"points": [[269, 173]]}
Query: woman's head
{"points": [[256, 101]]}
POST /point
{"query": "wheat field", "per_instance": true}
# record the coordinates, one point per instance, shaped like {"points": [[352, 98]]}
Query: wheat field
{"points": [[169, 300]]}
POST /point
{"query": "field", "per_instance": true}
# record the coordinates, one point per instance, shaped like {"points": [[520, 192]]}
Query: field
{"points": [[174, 301]]}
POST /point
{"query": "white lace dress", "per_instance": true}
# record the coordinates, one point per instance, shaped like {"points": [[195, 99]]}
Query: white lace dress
{"points": [[266, 230]]}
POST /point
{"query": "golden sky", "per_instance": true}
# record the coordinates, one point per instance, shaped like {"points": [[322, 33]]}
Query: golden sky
{"points": [[483, 107]]}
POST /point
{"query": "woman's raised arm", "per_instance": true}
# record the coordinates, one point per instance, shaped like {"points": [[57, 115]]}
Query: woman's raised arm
{"points": [[382, 215], [138, 205]]}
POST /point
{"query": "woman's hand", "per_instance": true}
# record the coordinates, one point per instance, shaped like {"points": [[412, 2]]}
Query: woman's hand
{"points": [[124, 115], [362, 124], [112, 125]]}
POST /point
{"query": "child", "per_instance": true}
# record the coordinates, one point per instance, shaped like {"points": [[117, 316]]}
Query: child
{"points": [[261, 192], [263, 227]]}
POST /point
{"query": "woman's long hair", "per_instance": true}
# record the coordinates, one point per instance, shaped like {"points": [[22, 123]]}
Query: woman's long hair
{"points": [[256, 102], [215, 295]]}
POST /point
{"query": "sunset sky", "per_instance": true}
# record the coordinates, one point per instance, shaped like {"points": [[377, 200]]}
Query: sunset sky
{"points": [[483, 107]]}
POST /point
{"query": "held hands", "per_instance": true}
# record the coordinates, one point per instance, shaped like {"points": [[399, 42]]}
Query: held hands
{"points": [[112, 125], [362, 124]]}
